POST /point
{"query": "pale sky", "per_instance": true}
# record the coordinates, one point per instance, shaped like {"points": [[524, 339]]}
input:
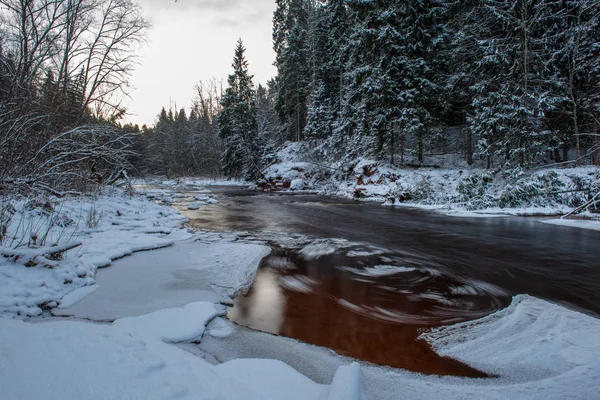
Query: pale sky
{"points": [[193, 40]]}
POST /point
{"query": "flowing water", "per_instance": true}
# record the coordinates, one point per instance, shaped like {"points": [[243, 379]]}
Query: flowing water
{"points": [[411, 271]]}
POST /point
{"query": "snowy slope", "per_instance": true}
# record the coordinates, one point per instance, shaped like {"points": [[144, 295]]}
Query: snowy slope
{"points": [[451, 189]]}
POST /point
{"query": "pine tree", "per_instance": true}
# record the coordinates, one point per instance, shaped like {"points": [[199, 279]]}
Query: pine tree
{"points": [[269, 130], [237, 121]]}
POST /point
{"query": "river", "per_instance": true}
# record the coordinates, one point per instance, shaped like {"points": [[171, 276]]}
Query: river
{"points": [[402, 271]]}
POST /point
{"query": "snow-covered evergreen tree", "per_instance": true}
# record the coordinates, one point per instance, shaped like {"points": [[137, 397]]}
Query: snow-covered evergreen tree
{"points": [[237, 121], [394, 63], [290, 38]]}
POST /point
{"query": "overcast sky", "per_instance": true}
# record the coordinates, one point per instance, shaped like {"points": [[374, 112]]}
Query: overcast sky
{"points": [[193, 40]]}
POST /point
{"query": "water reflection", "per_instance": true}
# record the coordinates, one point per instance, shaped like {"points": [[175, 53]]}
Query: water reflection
{"points": [[264, 309], [368, 306]]}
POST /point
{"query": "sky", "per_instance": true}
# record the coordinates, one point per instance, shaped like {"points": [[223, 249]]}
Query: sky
{"points": [[194, 40]]}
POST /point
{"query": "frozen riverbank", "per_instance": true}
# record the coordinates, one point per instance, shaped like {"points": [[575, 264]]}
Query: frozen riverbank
{"points": [[535, 349], [451, 188], [134, 357]]}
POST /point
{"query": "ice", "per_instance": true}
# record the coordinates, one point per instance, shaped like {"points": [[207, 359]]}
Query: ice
{"points": [[593, 225], [300, 284], [77, 295], [379, 270], [134, 358], [171, 277], [318, 249]]}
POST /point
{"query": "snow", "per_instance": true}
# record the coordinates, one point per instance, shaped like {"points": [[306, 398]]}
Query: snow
{"points": [[202, 200], [575, 223], [454, 189], [190, 181], [109, 227], [171, 277], [133, 358], [77, 295]]}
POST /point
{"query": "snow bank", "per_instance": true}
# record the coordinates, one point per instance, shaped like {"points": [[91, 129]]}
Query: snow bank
{"points": [[539, 349], [109, 227], [133, 359], [576, 223], [452, 189]]}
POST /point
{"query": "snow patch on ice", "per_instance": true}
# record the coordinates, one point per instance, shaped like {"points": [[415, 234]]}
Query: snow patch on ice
{"points": [[133, 358]]}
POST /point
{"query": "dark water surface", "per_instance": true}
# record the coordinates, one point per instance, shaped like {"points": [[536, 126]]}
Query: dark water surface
{"points": [[435, 270]]}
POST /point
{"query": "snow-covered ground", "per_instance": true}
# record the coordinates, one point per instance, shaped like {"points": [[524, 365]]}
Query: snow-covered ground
{"points": [[536, 349], [134, 356], [107, 228], [451, 189]]}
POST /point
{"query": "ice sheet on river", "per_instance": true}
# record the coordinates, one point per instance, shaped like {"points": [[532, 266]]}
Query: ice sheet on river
{"points": [[171, 277]]}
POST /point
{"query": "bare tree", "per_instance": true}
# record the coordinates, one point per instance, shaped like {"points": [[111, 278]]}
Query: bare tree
{"points": [[117, 32]]}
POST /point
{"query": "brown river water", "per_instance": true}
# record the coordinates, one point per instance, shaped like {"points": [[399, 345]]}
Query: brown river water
{"points": [[404, 271]]}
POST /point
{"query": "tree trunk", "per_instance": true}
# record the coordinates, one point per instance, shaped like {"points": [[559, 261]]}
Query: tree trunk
{"points": [[420, 145], [392, 144], [596, 145], [469, 146]]}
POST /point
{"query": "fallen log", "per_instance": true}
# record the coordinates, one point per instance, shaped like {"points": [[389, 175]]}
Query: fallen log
{"points": [[31, 253]]}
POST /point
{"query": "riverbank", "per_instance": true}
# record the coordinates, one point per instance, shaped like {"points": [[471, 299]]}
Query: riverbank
{"points": [[452, 187], [535, 349], [123, 347]]}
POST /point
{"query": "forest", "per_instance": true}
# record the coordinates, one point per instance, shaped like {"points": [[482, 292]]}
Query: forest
{"points": [[498, 84], [64, 69], [505, 84]]}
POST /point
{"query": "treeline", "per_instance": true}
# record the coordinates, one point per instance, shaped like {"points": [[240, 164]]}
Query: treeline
{"points": [[389, 77], [64, 66], [229, 131]]}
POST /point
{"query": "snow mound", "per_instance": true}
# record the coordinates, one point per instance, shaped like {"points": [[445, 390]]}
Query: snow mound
{"points": [[537, 345], [133, 358]]}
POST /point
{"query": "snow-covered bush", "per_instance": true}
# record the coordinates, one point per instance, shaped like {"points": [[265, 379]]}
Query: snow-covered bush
{"points": [[423, 190], [473, 186], [538, 189]]}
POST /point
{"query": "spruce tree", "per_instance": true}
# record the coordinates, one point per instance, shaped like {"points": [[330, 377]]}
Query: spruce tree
{"points": [[238, 127], [291, 44]]}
